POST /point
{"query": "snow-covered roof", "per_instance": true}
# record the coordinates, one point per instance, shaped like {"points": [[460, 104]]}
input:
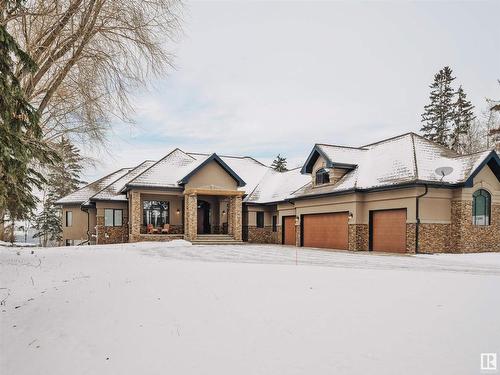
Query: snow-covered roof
{"points": [[405, 159], [408, 158], [112, 192], [175, 166], [83, 194], [277, 186]]}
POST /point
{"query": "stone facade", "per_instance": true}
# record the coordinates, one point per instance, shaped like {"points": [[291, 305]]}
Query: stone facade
{"points": [[235, 219], [174, 229], [298, 237], [358, 237], [135, 216], [160, 237], [263, 235], [190, 216], [110, 235], [434, 238], [469, 238], [411, 237]]}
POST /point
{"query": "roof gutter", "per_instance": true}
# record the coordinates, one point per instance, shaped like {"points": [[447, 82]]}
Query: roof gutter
{"points": [[417, 211]]}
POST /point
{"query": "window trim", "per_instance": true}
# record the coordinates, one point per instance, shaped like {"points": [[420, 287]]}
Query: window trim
{"points": [[481, 192], [258, 223], [114, 217], [321, 177], [66, 218]]}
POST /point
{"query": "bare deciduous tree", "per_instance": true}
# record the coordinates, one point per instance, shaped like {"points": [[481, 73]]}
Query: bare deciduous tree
{"points": [[91, 54]]}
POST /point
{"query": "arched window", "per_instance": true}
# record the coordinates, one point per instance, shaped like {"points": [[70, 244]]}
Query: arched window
{"points": [[481, 207], [322, 176]]}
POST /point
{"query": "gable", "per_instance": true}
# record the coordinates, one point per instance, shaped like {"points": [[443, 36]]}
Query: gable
{"points": [[487, 177], [211, 174], [492, 161], [342, 158]]}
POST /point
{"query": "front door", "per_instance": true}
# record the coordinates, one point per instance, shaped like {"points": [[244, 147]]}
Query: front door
{"points": [[203, 214]]}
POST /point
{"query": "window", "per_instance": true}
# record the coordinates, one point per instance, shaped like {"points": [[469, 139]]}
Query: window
{"points": [[69, 242], [275, 223], [322, 176], [481, 207], [69, 218], [260, 219], [113, 218], [155, 213]]}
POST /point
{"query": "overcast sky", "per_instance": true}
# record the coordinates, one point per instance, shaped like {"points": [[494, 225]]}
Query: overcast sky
{"points": [[262, 78]]}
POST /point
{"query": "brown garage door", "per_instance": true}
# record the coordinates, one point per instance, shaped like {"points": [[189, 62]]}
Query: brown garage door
{"points": [[327, 231], [389, 231], [289, 230]]}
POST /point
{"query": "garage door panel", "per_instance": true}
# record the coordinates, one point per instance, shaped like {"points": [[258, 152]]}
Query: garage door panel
{"points": [[289, 228], [389, 231], [328, 231]]}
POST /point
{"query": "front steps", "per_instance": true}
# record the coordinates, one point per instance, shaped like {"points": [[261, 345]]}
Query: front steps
{"points": [[215, 239]]}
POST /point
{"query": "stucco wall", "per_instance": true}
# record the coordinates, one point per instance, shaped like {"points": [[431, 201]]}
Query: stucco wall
{"points": [[78, 230], [212, 175]]}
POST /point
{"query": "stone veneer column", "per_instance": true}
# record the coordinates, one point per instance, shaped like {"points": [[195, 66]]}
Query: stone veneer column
{"points": [[358, 237], [234, 220], [230, 217], [135, 216], [297, 231], [190, 217]]}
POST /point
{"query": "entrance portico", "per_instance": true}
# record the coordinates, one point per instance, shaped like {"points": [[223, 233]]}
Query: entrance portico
{"points": [[196, 201]]}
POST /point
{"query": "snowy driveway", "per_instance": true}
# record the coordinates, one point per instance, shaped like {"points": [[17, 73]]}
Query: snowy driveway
{"points": [[483, 263], [149, 308]]}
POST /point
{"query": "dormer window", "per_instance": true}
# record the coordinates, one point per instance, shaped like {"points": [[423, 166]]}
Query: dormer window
{"points": [[322, 176]]}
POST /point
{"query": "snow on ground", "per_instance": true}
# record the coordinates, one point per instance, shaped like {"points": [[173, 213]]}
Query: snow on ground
{"points": [[156, 308]]}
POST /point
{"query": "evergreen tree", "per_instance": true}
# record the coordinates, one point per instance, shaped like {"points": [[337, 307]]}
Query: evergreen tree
{"points": [[438, 115], [463, 116], [279, 164], [21, 146], [63, 179]]}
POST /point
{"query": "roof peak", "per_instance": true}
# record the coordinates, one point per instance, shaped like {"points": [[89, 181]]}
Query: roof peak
{"points": [[392, 138], [226, 156], [341, 146]]}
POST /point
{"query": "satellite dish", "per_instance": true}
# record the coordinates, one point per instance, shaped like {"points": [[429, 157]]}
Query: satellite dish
{"points": [[443, 171]]}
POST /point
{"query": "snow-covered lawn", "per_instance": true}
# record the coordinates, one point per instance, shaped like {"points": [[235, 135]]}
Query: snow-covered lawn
{"points": [[153, 309]]}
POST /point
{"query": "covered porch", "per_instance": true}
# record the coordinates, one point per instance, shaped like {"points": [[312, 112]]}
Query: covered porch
{"points": [[190, 214], [212, 212]]}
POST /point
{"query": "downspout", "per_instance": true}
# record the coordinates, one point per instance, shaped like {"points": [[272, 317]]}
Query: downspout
{"points": [[418, 216]]}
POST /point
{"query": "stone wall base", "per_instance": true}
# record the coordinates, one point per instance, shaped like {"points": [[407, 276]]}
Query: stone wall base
{"points": [[262, 235], [110, 235], [469, 238], [434, 238]]}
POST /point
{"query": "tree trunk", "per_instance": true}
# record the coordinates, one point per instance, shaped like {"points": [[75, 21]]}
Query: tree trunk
{"points": [[2, 225]]}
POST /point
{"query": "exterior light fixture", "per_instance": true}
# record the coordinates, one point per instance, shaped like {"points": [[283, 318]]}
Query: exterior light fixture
{"points": [[223, 212], [178, 211], [350, 215]]}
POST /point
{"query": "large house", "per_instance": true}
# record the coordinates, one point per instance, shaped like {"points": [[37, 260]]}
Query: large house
{"points": [[404, 194]]}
